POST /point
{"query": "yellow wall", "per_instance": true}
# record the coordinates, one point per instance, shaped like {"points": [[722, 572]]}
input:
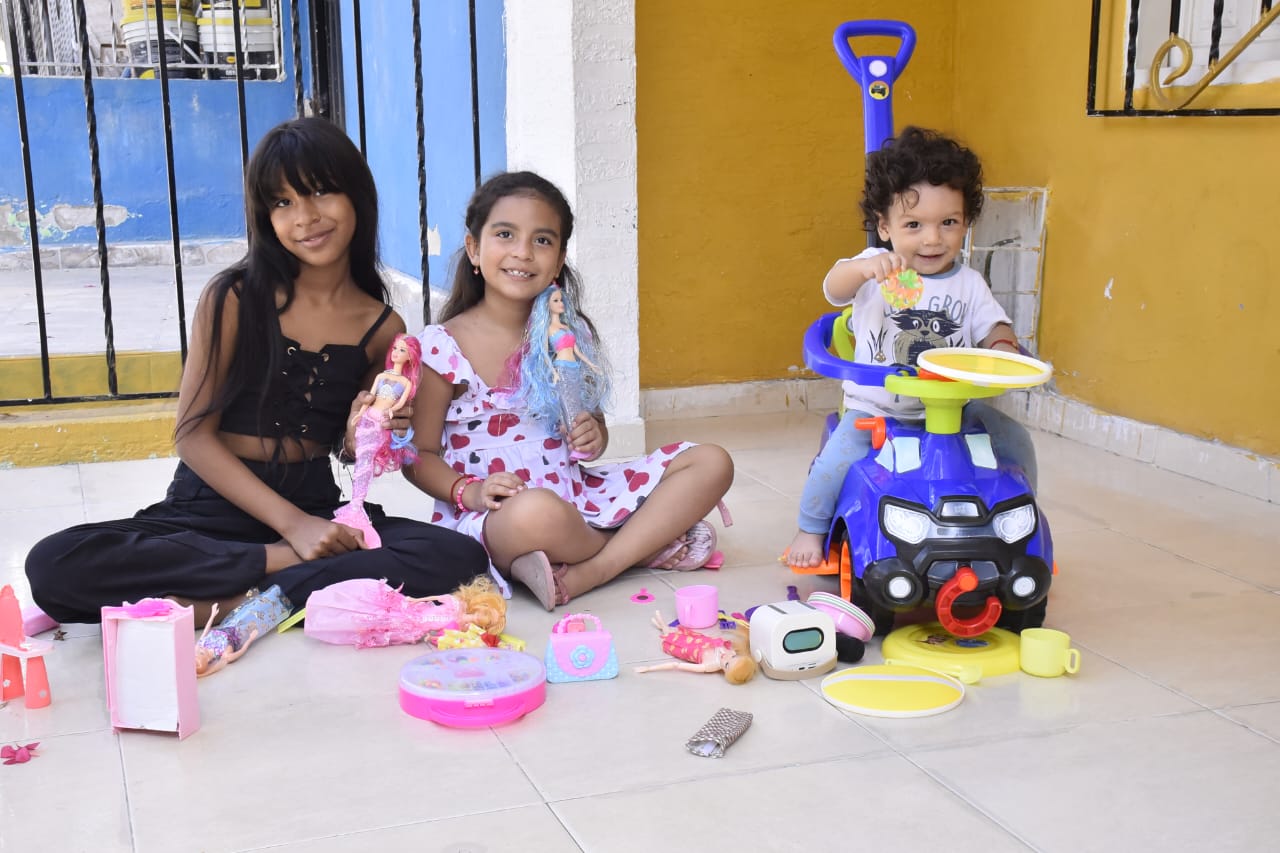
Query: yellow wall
{"points": [[750, 148]]}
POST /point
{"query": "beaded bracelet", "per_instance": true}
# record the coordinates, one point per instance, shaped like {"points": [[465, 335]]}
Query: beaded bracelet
{"points": [[457, 497]]}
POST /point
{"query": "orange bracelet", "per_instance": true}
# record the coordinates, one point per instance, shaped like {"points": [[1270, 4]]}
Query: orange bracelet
{"points": [[1010, 341]]}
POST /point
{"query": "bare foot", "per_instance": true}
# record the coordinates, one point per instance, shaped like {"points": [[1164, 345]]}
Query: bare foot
{"points": [[673, 558], [280, 555], [805, 551]]}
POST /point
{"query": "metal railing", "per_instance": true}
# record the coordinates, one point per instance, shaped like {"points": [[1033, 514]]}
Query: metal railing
{"points": [[322, 97], [1159, 77]]}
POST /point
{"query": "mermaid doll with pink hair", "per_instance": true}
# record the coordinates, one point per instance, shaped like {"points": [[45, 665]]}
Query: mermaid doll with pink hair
{"points": [[378, 450]]}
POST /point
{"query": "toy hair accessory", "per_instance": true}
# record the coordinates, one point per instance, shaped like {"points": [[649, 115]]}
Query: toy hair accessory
{"points": [[719, 733]]}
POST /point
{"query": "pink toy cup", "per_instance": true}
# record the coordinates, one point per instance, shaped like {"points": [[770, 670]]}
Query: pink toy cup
{"points": [[698, 606]]}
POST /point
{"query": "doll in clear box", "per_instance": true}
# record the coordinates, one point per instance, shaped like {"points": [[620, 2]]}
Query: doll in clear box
{"points": [[559, 380], [259, 614], [699, 652], [378, 449]]}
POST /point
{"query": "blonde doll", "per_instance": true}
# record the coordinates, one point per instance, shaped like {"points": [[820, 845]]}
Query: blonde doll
{"points": [[701, 653]]}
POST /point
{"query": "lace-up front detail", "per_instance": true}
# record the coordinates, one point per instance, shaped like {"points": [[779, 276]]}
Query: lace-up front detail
{"points": [[311, 395]]}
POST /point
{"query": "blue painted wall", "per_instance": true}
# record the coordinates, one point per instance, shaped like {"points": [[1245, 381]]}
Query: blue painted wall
{"points": [[206, 135], [386, 31]]}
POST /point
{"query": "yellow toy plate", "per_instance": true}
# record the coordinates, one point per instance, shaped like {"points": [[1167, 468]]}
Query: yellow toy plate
{"points": [[986, 367], [892, 690], [967, 658]]}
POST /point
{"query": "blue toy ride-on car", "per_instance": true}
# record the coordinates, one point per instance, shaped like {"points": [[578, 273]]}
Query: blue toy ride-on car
{"points": [[932, 516]]}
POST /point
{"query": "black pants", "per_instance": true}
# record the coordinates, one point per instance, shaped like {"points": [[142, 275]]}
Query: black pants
{"points": [[195, 544]]}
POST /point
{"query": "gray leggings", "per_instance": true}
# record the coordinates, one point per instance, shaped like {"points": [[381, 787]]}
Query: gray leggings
{"points": [[847, 444]]}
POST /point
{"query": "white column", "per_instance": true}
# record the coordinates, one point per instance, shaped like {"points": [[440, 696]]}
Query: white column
{"points": [[571, 91]]}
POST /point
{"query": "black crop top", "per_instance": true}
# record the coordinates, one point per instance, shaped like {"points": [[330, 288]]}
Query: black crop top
{"points": [[310, 398]]}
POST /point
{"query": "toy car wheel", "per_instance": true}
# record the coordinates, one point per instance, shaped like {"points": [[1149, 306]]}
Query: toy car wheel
{"points": [[881, 616], [1018, 620]]}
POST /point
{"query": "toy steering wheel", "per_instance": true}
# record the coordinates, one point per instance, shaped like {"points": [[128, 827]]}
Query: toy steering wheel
{"points": [[988, 368]]}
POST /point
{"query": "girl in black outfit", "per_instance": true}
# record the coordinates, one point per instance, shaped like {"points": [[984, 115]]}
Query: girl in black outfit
{"points": [[282, 347]]}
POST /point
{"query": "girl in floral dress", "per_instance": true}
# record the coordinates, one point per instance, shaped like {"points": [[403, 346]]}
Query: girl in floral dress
{"points": [[507, 470]]}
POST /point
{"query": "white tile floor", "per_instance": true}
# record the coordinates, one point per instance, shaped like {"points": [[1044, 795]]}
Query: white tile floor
{"points": [[1167, 739]]}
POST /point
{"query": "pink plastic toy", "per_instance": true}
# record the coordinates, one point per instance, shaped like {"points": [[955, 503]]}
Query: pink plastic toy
{"points": [[364, 613], [15, 647], [472, 688]]}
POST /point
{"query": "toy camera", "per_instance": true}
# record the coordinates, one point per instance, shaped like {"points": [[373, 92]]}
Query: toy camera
{"points": [[792, 640]]}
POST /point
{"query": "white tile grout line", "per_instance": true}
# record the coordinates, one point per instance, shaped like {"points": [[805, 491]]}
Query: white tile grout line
{"points": [[1233, 468]]}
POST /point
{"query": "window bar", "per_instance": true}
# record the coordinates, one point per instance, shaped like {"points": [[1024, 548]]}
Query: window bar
{"points": [[33, 225], [169, 175], [240, 58], [95, 170], [1131, 54], [422, 160], [1175, 16], [355, 19], [1215, 34], [1091, 92], [296, 40], [1266, 6], [28, 41], [475, 91]]}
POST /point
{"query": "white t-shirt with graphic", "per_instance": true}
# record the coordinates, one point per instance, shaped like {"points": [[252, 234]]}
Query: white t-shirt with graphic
{"points": [[955, 309]]}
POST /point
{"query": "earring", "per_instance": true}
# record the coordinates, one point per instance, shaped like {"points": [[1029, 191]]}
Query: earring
{"points": [[475, 270]]}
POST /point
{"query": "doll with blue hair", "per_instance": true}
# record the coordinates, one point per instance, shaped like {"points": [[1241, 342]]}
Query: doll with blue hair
{"points": [[515, 388], [557, 378]]}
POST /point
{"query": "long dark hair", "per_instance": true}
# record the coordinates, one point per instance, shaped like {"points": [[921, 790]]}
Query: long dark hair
{"points": [[468, 286], [308, 154]]}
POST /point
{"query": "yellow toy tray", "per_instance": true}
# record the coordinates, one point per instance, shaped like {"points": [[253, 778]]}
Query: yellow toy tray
{"points": [[967, 658], [892, 690], [986, 367]]}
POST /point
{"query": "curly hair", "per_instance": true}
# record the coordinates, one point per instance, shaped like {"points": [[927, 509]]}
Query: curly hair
{"points": [[918, 156]]}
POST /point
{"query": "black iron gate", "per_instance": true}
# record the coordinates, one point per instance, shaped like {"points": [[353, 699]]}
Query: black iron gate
{"points": [[29, 23]]}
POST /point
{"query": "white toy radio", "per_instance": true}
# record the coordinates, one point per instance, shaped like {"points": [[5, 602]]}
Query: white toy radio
{"points": [[792, 640]]}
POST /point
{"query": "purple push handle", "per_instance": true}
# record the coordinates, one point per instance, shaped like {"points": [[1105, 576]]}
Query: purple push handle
{"points": [[876, 74]]}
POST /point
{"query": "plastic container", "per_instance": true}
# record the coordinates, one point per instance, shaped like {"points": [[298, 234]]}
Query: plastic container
{"points": [[472, 688], [144, 35], [257, 42]]}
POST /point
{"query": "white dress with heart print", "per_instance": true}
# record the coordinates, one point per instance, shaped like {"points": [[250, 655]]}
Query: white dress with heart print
{"points": [[486, 431]]}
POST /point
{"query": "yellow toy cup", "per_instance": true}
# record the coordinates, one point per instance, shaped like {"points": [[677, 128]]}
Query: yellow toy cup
{"points": [[1047, 653]]}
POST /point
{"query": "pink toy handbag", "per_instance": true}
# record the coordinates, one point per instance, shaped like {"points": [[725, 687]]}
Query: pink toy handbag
{"points": [[575, 653]]}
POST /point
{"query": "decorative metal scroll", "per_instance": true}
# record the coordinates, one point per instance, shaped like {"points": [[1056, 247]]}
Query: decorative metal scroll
{"points": [[1215, 68]]}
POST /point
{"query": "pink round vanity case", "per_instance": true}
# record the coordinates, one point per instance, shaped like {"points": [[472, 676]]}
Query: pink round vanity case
{"points": [[472, 687]]}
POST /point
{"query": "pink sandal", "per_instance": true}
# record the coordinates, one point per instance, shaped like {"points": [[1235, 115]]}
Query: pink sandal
{"points": [[699, 544], [534, 570]]}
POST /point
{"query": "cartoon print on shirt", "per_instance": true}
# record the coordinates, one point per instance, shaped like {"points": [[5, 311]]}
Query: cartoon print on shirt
{"points": [[921, 331], [876, 346]]}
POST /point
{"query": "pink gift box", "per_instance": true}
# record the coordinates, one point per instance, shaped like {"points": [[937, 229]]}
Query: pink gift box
{"points": [[148, 651]]}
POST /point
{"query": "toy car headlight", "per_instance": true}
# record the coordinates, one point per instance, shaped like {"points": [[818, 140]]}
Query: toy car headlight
{"points": [[1014, 524], [905, 524]]}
